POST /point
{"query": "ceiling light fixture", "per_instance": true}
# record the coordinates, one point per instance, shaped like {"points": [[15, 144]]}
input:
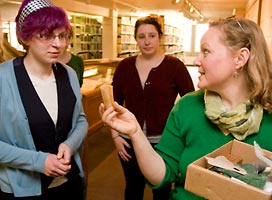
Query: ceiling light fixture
{"points": [[175, 1], [187, 6], [233, 11]]}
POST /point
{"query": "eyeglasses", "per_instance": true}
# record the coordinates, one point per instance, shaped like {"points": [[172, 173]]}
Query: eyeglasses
{"points": [[50, 37]]}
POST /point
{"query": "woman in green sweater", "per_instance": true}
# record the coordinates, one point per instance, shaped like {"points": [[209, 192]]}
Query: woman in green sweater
{"points": [[235, 102], [72, 60]]}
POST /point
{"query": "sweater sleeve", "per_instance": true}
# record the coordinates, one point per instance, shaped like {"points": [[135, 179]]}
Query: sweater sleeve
{"points": [[16, 157], [173, 142], [118, 81], [183, 79], [79, 124], [16, 142], [171, 147]]}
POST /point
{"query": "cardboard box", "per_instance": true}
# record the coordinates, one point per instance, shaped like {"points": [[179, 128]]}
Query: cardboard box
{"points": [[214, 186]]}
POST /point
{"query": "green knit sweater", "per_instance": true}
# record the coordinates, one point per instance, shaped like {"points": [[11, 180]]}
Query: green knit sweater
{"points": [[189, 135], [77, 64]]}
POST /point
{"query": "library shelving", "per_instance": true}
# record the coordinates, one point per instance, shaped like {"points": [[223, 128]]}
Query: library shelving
{"points": [[172, 41], [126, 44], [87, 36]]}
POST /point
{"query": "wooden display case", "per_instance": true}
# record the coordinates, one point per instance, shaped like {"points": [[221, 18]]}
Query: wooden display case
{"points": [[94, 77]]}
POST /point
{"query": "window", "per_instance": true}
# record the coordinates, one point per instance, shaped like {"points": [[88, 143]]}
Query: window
{"points": [[199, 31]]}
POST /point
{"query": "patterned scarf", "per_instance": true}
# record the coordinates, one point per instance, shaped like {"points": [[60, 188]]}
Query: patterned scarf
{"points": [[241, 121]]}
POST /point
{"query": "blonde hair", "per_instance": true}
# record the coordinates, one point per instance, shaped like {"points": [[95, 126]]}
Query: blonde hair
{"points": [[241, 33]]}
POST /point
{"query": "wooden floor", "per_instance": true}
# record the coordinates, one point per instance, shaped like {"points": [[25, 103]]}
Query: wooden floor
{"points": [[105, 179]]}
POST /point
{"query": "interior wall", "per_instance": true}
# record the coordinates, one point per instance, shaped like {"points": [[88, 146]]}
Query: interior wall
{"points": [[109, 36], [8, 12], [252, 12], [266, 22], [260, 12]]}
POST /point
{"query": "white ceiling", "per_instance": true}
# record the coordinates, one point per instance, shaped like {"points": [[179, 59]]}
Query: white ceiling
{"points": [[208, 8]]}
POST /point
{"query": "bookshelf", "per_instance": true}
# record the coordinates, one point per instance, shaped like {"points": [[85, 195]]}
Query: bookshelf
{"points": [[172, 41], [126, 44], [87, 39]]}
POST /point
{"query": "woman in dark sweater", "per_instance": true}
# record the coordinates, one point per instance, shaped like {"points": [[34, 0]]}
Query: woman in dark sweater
{"points": [[148, 85]]}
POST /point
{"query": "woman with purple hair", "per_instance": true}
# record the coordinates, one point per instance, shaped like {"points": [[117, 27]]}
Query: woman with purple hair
{"points": [[42, 123]]}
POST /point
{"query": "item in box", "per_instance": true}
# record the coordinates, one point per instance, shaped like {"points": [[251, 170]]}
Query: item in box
{"points": [[211, 185]]}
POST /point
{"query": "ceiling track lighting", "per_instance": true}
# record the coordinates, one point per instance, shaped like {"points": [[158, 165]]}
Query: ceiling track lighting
{"points": [[175, 1], [193, 9], [187, 6]]}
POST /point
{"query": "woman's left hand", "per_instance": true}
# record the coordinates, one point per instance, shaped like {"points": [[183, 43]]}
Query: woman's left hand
{"points": [[119, 119], [65, 153]]}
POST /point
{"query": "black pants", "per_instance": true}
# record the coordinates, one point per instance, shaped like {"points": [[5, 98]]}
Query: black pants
{"points": [[73, 190], [135, 181]]}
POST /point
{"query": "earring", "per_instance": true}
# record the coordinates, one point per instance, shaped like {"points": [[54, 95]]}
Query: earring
{"points": [[235, 74]]}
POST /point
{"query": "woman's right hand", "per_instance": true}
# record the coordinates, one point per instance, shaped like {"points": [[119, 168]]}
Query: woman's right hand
{"points": [[119, 119], [55, 166], [121, 144]]}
